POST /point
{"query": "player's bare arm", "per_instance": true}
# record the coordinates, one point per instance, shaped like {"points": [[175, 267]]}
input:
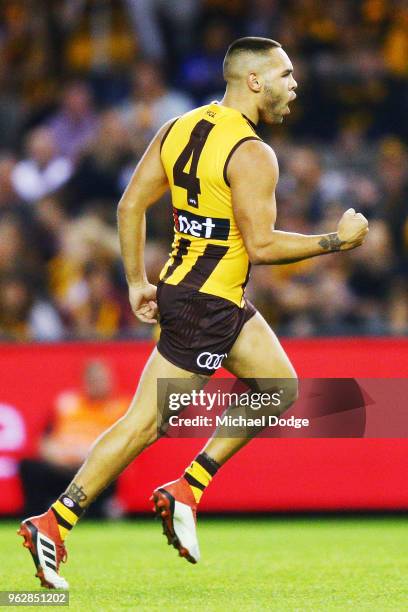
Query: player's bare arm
{"points": [[146, 186], [253, 175]]}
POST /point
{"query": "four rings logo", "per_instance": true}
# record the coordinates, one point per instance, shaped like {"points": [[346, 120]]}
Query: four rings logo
{"points": [[201, 227], [211, 361]]}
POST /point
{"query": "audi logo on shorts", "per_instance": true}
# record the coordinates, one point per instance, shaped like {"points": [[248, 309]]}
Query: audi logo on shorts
{"points": [[211, 361]]}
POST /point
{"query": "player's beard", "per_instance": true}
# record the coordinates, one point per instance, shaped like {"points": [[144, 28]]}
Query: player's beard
{"points": [[271, 111]]}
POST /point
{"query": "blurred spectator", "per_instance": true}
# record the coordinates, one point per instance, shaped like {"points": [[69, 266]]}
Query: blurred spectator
{"points": [[177, 34], [201, 72], [263, 16], [152, 103], [397, 313], [393, 181], [303, 175], [74, 125], [23, 315], [9, 200], [17, 249], [11, 107], [100, 42], [79, 417], [396, 41], [100, 170], [97, 310], [370, 278], [52, 221], [81, 278], [43, 171]]}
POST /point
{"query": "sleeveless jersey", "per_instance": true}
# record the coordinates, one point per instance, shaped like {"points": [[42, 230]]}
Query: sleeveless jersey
{"points": [[208, 252]]}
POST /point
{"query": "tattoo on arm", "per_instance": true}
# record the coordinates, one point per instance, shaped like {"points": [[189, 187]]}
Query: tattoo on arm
{"points": [[76, 493], [331, 242]]}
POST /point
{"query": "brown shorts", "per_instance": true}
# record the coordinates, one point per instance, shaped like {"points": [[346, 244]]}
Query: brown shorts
{"points": [[197, 329]]}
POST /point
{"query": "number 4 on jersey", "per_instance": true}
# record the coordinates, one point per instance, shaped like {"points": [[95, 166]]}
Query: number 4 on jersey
{"points": [[192, 150]]}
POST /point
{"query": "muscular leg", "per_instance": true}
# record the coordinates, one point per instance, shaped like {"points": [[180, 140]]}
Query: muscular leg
{"points": [[129, 436], [44, 535], [257, 354]]}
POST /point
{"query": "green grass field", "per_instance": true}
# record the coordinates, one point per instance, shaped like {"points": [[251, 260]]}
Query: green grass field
{"points": [[258, 564]]}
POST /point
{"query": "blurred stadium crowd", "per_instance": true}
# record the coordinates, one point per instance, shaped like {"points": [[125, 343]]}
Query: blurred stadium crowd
{"points": [[85, 84]]}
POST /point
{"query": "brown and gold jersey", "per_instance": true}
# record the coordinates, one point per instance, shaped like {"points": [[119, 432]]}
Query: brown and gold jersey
{"points": [[208, 253]]}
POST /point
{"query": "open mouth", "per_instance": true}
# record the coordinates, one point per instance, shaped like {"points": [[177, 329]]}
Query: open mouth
{"points": [[287, 109]]}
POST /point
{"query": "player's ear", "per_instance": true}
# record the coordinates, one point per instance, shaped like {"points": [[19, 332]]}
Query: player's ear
{"points": [[253, 82]]}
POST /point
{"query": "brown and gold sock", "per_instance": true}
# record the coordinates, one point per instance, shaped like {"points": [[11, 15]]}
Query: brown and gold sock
{"points": [[67, 512], [200, 473]]}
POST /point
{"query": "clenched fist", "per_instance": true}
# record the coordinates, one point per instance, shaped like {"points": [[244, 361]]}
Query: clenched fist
{"points": [[142, 299], [352, 229]]}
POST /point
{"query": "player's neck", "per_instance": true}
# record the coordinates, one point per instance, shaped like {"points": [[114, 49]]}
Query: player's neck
{"points": [[235, 100]]}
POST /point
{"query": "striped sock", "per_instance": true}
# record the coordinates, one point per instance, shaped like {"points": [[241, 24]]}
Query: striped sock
{"points": [[200, 473], [67, 512]]}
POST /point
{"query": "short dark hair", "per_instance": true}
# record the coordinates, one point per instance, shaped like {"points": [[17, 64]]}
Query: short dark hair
{"points": [[252, 44]]}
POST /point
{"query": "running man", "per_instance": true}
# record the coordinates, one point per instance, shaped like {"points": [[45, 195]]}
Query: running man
{"points": [[222, 178]]}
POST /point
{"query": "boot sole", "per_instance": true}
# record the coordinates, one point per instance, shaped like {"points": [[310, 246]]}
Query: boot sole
{"points": [[163, 510]]}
